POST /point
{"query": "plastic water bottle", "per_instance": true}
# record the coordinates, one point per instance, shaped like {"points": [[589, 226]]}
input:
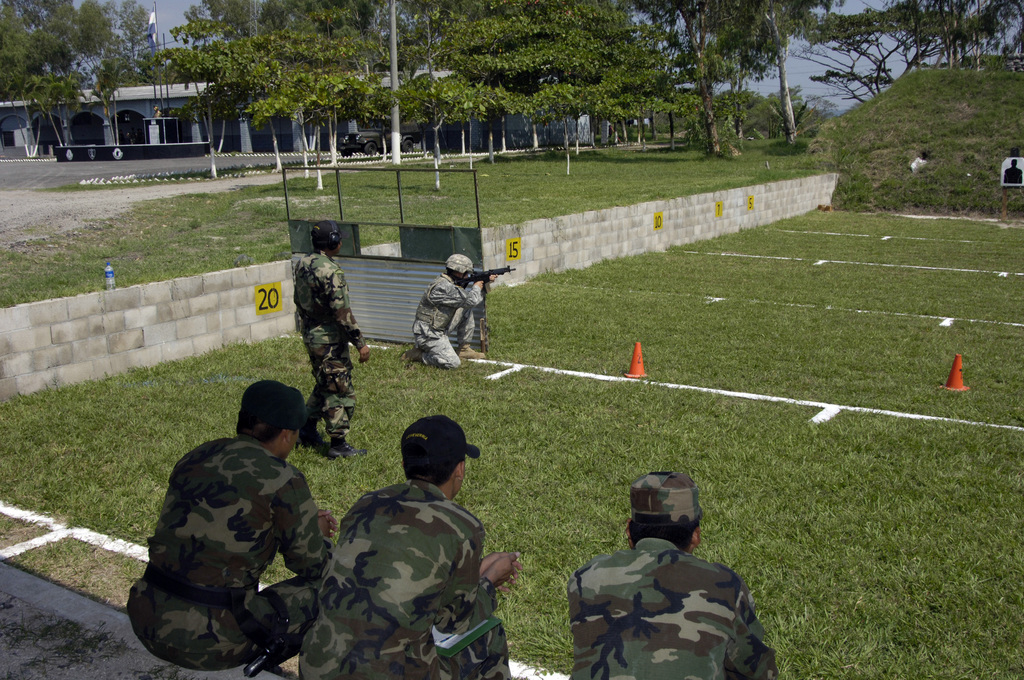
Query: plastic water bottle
{"points": [[108, 276]]}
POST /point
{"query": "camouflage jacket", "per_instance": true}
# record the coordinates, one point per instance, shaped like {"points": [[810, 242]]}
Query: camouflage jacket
{"points": [[230, 507], [321, 298], [657, 612], [407, 559], [442, 300]]}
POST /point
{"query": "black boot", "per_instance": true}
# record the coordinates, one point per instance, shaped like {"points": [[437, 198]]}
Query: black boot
{"points": [[342, 449], [309, 436]]}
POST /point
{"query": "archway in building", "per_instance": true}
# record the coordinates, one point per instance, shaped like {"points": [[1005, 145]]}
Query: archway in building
{"points": [[13, 132], [87, 128], [131, 128]]}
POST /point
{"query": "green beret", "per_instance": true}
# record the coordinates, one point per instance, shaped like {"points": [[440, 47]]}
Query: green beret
{"points": [[275, 404], [664, 498]]}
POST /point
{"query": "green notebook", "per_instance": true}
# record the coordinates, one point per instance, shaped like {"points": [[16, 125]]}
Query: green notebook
{"points": [[450, 645]]}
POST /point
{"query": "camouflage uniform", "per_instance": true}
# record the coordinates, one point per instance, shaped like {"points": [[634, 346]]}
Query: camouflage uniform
{"points": [[328, 326], [230, 507], [657, 612], [442, 307], [407, 559]]}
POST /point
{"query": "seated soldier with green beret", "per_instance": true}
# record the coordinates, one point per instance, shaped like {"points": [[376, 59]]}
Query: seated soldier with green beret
{"points": [[655, 611], [231, 506]]}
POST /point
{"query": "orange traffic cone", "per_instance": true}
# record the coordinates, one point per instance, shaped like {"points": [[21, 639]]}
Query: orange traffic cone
{"points": [[956, 376], [636, 369]]}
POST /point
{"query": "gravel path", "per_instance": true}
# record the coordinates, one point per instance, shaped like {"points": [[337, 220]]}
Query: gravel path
{"points": [[28, 215]]}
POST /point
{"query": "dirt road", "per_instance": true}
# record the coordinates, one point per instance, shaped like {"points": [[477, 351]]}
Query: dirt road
{"points": [[29, 215]]}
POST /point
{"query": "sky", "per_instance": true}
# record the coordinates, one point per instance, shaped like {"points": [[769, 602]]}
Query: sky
{"points": [[171, 13]]}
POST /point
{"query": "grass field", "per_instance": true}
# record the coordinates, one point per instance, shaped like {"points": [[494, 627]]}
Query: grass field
{"points": [[202, 232], [876, 546]]}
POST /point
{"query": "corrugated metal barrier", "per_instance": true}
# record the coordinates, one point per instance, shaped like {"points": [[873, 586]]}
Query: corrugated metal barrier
{"points": [[385, 292]]}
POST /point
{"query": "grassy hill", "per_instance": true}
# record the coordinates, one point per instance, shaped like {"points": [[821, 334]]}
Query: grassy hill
{"points": [[963, 122]]}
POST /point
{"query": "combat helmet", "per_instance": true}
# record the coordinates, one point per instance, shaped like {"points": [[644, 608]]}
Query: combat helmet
{"points": [[459, 263]]}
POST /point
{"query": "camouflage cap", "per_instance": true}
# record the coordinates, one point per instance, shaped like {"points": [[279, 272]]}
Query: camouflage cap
{"points": [[275, 404], [435, 439], [664, 498]]}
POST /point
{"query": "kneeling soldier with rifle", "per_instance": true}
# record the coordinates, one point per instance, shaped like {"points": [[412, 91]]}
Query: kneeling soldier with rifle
{"points": [[448, 303], [231, 506]]}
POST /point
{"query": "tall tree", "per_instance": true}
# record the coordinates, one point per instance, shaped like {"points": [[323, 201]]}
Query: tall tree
{"points": [[786, 19]]}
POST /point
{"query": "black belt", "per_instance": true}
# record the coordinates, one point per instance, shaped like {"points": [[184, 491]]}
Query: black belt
{"points": [[207, 596]]}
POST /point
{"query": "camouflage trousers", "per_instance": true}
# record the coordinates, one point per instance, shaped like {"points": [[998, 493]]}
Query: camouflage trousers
{"points": [[486, 658], [209, 638], [437, 348], [333, 397]]}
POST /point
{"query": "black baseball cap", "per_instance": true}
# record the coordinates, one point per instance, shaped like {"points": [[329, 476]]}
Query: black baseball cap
{"points": [[275, 404], [435, 439]]}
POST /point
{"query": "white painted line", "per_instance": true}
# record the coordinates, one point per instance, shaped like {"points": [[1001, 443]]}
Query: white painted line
{"points": [[502, 374], [115, 545], [946, 320], [37, 542], [822, 406], [826, 415], [863, 264], [26, 516], [710, 299], [884, 238]]}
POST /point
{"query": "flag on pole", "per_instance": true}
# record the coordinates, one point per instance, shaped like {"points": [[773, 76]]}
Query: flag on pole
{"points": [[152, 32]]}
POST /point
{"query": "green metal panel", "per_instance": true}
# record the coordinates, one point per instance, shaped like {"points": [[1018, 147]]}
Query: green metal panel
{"points": [[469, 242], [298, 232], [435, 244]]}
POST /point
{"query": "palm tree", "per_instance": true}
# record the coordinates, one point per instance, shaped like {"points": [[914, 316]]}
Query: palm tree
{"points": [[109, 77]]}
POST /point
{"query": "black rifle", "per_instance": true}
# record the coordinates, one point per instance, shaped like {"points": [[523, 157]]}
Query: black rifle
{"points": [[473, 277]]}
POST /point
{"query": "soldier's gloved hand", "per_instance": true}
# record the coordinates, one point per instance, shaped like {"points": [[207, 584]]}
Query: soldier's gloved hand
{"points": [[364, 354]]}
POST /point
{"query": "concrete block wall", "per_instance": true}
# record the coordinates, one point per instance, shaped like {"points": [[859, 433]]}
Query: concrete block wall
{"points": [[68, 340], [577, 241]]}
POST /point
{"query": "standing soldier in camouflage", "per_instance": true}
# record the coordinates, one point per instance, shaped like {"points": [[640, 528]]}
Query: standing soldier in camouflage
{"points": [[328, 327], [231, 506], [655, 611], [410, 560], [445, 306]]}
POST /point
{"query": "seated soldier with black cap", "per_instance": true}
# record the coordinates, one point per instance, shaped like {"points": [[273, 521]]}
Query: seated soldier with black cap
{"points": [[231, 506], [410, 560], [655, 611]]}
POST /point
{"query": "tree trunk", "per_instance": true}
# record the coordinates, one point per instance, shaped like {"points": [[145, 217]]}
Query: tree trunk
{"points": [[781, 50], [277, 151], [672, 130], [220, 144], [710, 131], [437, 155], [504, 148], [490, 141], [565, 139], [209, 127]]}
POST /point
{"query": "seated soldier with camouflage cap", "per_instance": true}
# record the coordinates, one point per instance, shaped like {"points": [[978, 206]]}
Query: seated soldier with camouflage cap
{"points": [[656, 611], [410, 560], [231, 506], [443, 307]]}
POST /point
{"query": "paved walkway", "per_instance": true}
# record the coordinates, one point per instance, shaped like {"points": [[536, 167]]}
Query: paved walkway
{"points": [[47, 631]]}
